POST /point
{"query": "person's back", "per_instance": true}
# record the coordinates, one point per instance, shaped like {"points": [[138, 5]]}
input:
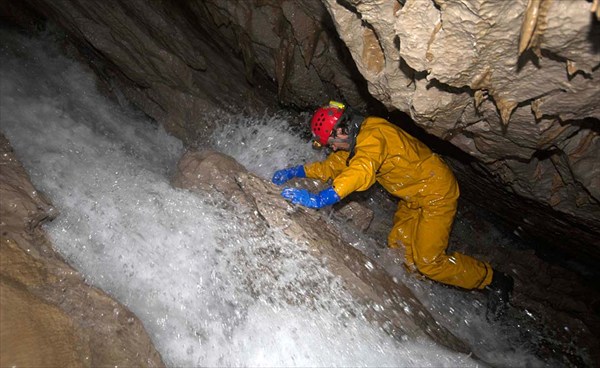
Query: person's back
{"points": [[409, 170]]}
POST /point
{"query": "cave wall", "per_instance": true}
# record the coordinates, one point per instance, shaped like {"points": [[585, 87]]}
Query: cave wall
{"points": [[178, 59], [153, 55], [49, 315], [514, 84]]}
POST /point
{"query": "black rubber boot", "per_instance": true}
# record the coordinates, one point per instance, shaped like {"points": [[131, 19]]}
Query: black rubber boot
{"points": [[499, 291]]}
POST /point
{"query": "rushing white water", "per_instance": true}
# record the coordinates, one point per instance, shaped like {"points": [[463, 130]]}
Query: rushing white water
{"points": [[186, 265]]}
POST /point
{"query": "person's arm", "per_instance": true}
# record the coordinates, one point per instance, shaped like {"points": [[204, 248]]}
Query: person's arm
{"points": [[322, 170], [327, 169], [359, 175], [362, 170]]}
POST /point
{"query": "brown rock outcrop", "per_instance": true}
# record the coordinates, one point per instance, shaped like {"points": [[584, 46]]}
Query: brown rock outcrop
{"points": [[388, 302], [48, 315]]}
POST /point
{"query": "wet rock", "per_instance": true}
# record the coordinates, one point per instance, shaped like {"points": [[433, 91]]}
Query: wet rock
{"points": [[351, 211], [556, 308], [208, 170], [388, 302], [357, 214], [49, 315], [513, 86]]}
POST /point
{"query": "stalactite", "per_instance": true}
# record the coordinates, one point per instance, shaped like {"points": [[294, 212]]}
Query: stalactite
{"points": [[595, 9], [534, 25]]}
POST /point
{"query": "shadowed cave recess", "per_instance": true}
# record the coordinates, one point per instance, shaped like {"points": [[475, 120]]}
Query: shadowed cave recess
{"points": [[506, 94]]}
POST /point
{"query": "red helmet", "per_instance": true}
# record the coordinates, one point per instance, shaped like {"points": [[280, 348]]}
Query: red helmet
{"points": [[324, 120]]}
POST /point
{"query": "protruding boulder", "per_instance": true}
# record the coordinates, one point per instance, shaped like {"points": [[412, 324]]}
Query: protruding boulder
{"points": [[387, 301]]}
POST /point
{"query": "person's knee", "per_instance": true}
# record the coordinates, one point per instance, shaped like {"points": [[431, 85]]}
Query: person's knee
{"points": [[394, 243], [394, 239], [431, 268]]}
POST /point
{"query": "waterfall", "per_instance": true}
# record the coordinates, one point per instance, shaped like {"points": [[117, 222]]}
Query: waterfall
{"points": [[188, 266]]}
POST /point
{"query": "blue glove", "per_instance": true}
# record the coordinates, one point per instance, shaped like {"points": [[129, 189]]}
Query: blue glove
{"points": [[281, 176], [304, 197]]}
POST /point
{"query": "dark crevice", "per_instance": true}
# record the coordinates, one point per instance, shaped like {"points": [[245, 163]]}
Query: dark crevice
{"points": [[345, 57], [543, 155], [589, 123], [448, 88], [526, 57], [410, 73], [593, 35], [349, 7], [561, 234], [560, 59]]}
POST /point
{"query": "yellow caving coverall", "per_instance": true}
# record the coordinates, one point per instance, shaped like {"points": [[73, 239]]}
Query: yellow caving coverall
{"points": [[428, 194]]}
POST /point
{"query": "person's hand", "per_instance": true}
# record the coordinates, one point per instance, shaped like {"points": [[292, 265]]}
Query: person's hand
{"points": [[311, 200], [281, 176]]}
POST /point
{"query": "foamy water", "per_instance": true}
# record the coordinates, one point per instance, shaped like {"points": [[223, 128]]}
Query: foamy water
{"points": [[185, 264]]}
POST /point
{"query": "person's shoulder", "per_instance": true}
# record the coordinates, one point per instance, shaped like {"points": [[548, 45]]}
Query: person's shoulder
{"points": [[372, 122], [376, 119], [375, 125]]}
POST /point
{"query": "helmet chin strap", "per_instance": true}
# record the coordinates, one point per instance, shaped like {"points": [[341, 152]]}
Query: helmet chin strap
{"points": [[338, 140], [354, 124]]}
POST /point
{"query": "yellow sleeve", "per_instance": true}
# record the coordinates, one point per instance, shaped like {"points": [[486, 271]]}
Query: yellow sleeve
{"points": [[362, 170], [327, 169]]}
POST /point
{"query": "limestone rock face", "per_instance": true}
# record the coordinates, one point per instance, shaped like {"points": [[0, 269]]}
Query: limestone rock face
{"points": [[512, 83], [389, 303], [49, 316], [291, 41]]}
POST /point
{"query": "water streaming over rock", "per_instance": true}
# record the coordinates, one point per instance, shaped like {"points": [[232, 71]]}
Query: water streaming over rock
{"points": [[180, 261]]}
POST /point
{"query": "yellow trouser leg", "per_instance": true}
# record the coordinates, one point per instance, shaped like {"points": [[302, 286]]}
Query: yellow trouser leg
{"points": [[402, 233], [424, 232]]}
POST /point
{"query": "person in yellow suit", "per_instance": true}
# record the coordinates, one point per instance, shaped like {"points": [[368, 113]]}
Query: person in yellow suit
{"points": [[371, 149]]}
